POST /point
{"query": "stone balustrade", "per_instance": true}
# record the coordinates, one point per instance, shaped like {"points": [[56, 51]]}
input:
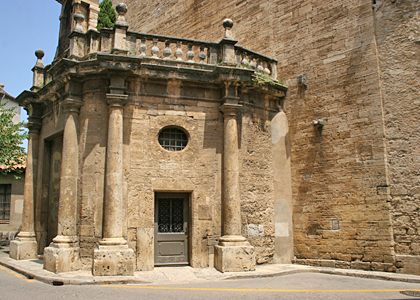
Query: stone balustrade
{"points": [[153, 46], [191, 53]]}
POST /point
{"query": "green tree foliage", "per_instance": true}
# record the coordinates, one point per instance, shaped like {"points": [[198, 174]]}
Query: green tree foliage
{"points": [[107, 15], [12, 154]]}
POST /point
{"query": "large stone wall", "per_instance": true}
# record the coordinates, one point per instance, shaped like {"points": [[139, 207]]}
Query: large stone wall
{"points": [[397, 28], [341, 199]]}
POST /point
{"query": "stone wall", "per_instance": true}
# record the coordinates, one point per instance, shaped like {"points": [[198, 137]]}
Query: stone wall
{"points": [[9, 229], [197, 169], [148, 168], [257, 191], [93, 140], [341, 199], [397, 28]]}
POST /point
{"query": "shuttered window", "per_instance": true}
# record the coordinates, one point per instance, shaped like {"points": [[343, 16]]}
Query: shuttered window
{"points": [[5, 197]]}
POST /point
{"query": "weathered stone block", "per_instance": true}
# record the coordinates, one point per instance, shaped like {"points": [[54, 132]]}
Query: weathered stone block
{"points": [[234, 258], [383, 267], [59, 259], [360, 265], [342, 264], [145, 249], [21, 250], [409, 264], [113, 260], [330, 263]]}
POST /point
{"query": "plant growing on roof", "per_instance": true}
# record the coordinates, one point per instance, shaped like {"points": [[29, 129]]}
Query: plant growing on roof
{"points": [[107, 15], [261, 79], [12, 154]]}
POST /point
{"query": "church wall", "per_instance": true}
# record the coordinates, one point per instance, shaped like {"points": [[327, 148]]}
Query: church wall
{"points": [[341, 208], [197, 169], [397, 33]]}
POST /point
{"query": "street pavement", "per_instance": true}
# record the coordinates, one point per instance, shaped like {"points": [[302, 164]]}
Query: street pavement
{"points": [[26, 280]]}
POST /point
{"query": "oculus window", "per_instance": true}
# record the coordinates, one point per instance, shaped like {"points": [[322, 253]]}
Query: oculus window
{"points": [[173, 139]]}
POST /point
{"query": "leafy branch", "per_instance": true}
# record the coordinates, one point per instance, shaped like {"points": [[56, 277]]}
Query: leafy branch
{"points": [[12, 154]]}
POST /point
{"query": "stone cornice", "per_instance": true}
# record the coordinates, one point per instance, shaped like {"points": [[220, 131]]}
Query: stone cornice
{"points": [[160, 68]]}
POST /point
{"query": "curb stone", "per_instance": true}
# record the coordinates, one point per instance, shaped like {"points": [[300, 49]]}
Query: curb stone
{"points": [[265, 271]]}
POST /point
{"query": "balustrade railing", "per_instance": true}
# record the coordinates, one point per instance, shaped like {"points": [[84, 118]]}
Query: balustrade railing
{"points": [[120, 41]]}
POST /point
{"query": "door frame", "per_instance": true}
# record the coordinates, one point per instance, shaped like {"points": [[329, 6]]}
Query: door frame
{"points": [[187, 196]]}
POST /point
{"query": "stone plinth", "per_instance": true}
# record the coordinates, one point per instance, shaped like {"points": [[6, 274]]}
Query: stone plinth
{"points": [[234, 254], [61, 258], [113, 260], [24, 248]]}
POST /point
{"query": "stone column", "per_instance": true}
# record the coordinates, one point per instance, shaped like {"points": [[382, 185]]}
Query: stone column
{"points": [[63, 253], [113, 256], [113, 204], [25, 246], [233, 253], [231, 196]]}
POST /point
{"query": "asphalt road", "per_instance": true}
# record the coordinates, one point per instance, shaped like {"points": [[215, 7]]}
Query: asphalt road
{"points": [[297, 286]]}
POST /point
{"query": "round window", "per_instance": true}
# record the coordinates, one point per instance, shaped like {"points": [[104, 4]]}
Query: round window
{"points": [[173, 139]]}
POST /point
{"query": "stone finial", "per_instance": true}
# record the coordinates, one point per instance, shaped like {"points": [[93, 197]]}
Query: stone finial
{"points": [[78, 17], [228, 24], [121, 11], [39, 54]]}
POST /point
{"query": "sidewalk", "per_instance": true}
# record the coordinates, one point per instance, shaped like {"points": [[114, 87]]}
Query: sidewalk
{"points": [[173, 275]]}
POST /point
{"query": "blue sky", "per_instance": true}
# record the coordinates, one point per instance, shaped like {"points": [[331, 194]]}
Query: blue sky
{"points": [[26, 25]]}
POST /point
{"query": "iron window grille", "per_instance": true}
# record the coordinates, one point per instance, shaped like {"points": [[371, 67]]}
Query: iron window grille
{"points": [[171, 215], [173, 139], [5, 197]]}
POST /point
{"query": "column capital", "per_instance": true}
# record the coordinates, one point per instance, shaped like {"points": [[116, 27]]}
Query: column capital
{"points": [[71, 105], [34, 111], [33, 127], [116, 100], [230, 110]]}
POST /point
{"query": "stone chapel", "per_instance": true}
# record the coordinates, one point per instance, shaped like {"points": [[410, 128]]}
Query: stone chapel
{"points": [[148, 150]]}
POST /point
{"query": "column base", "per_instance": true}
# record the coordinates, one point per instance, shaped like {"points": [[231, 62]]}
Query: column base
{"points": [[112, 260], [234, 254], [24, 247], [61, 257]]}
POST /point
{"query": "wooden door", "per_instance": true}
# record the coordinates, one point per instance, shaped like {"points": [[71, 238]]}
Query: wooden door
{"points": [[171, 229]]}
